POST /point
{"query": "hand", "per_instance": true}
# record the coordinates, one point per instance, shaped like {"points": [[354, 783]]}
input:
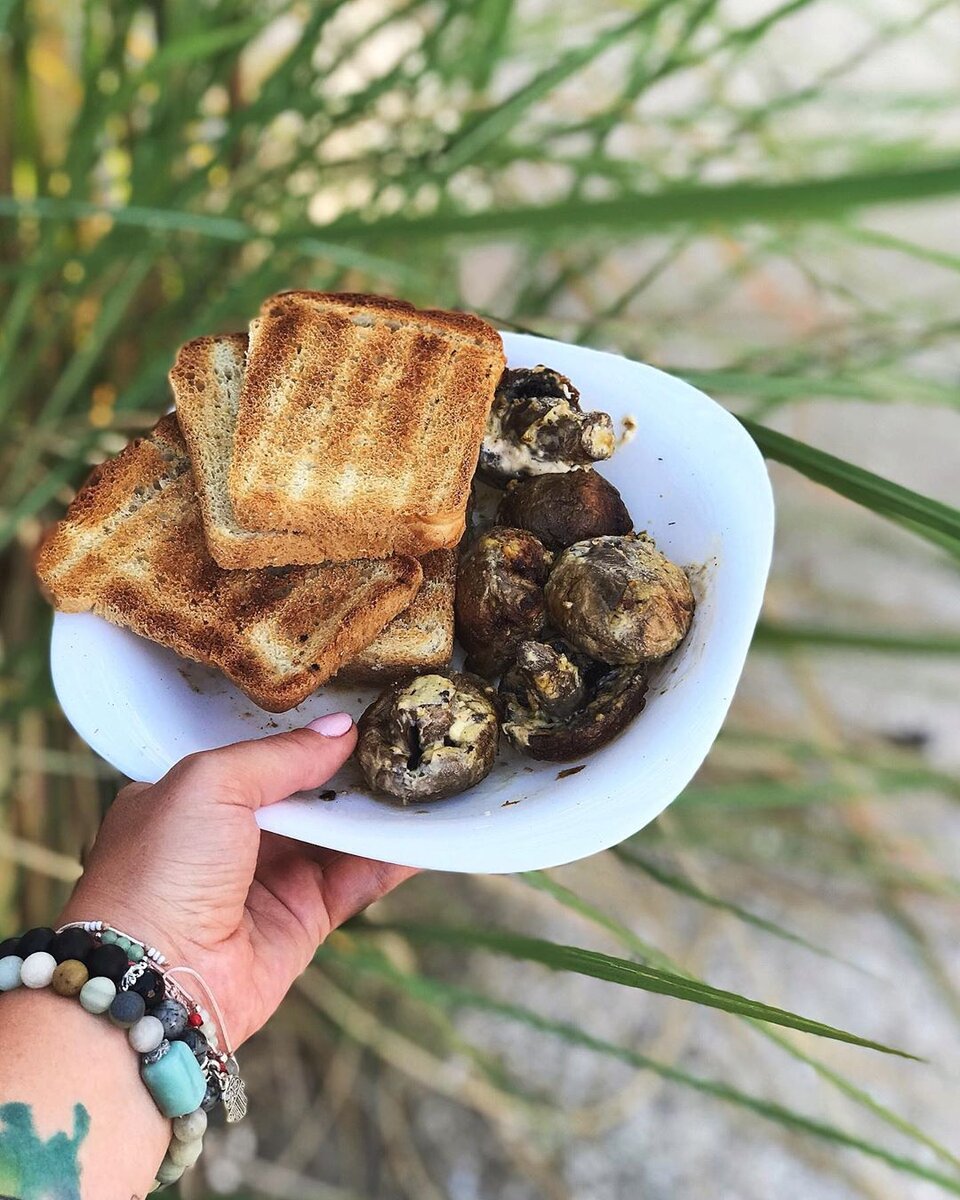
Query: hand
{"points": [[183, 865]]}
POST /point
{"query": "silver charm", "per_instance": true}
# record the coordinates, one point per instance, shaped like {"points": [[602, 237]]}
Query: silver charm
{"points": [[132, 974], [234, 1098]]}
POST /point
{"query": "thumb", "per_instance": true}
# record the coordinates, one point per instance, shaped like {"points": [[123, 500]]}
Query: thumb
{"points": [[260, 772]]}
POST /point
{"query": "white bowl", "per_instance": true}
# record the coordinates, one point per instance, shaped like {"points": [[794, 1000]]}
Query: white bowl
{"points": [[690, 476]]}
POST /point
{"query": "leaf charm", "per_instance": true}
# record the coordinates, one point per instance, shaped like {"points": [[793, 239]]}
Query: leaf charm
{"points": [[234, 1099]]}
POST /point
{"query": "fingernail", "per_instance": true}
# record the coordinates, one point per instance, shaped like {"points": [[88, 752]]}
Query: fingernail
{"points": [[332, 724]]}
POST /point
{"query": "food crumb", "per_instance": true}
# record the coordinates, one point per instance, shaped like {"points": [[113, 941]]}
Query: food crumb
{"points": [[191, 684], [328, 794], [507, 803], [628, 430], [571, 771]]}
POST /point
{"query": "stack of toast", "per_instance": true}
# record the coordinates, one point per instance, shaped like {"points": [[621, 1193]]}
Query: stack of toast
{"points": [[297, 517]]}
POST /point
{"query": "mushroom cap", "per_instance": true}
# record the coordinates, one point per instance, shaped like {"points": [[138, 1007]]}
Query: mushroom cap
{"points": [[499, 598], [536, 426], [565, 508], [539, 719], [429, 737], [619, 600]]}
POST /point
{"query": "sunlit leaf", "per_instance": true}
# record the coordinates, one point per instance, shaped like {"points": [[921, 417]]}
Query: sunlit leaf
{"points": [[437, 992], [629, 974]]}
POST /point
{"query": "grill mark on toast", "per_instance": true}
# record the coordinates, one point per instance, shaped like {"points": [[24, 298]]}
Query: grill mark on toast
{"points": [[206, 380], [430, 428], [408, 455], [355, 415], [339, 411], [62, 557], [279, 404], [152, 573], [408, 425]]}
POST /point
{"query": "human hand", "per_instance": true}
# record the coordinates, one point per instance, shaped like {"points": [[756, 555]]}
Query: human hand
{"points": [[183, 865]]}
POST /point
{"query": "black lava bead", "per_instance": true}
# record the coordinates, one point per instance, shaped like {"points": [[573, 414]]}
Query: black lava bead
{"points": [[212, 1096], [196, 1041], [72, 943], [172, 1016], [9, 946], [150, 986], [127, 1009], [35, 940], [109, 961]]}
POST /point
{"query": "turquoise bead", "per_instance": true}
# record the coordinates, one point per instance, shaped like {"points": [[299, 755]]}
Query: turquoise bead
{"points": [[10, 972], [123, 943], [108, 937], [175, 1081], [136, 952]]}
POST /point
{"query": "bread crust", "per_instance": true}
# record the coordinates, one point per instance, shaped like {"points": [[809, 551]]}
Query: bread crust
{"points": [[205, 379], [360, 420], [131, 548]]}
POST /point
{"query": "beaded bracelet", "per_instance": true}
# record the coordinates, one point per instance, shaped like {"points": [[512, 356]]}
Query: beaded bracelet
{"points": [[181, 1061]]}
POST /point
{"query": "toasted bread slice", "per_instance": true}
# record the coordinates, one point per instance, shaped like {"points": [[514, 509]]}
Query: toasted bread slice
{"points": [[360, 420], [131, 548], [421, 637], [206, 378]]}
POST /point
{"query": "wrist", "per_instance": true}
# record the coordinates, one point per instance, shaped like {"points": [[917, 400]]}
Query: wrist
{"points": [[184, 1065], [175, 993], [95, 902], [55, 1057]]}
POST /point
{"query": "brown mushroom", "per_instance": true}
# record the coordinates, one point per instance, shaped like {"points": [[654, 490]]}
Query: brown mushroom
{"points": [[559, 704], [499, 599], [429, 738], [536, 426], [564, 508], [619, 600]]}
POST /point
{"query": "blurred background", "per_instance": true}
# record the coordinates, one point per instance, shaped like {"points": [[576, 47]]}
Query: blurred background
{"points": [[763, 198]]}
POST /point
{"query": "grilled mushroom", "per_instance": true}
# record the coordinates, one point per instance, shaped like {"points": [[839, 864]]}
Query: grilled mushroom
{"points": [[500, 596], [536, 426], [564, 508], [619, 599], [559, 704], [429, 738]]}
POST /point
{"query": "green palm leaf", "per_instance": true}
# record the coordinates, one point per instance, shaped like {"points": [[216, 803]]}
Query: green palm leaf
{"points": [[434, 992], [864, 487], [628, 974]]}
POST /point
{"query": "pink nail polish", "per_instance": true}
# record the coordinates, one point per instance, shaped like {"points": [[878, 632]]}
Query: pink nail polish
{"points": [[332, 725]]}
